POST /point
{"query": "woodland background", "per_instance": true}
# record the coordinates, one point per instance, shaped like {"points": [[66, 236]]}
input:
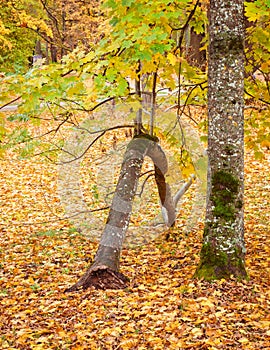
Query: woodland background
{"points": [[42, 252]]}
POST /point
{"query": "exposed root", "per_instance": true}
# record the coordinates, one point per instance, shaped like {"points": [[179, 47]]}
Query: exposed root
{"points": [[100, 278]]}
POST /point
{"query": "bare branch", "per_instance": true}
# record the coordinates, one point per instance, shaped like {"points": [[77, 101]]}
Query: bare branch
{"points": [[102, 133], [184, 27], [59, 219], [144, 183], [179, 194]]}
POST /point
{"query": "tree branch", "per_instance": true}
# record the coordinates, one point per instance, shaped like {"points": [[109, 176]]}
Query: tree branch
{"points": [[184, 27], [183, 190], [10, 102]]}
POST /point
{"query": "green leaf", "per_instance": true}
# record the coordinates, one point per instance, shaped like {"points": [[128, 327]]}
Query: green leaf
{"points": [[122, 87]]}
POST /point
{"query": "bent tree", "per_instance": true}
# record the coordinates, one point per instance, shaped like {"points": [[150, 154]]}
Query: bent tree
{"points": [[104, 272], [223, 249]]}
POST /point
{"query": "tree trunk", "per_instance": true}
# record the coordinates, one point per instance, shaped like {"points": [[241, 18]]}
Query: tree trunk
{"points": [[104, 273], [168, 205], [196, 56], [53, 53], [223, 249]]}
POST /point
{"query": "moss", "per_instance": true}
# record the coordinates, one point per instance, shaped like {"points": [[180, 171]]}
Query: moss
{"points": [[228, 42], [212, 257], [224, 192], [224, 178], [210, 272], [146, 136], [206, 272], [239, 204], [217, 265]]}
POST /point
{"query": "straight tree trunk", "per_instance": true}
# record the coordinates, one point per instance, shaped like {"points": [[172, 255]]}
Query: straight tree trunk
{"points": [[223, 249]]}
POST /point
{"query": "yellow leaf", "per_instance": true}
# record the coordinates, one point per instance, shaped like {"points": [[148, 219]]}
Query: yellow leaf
{"points": [[243, 340], [197, 332], [265, 65], [172, 58], [265, 324], [128, 344]]}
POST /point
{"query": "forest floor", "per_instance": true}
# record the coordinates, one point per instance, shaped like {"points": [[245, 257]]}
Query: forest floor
{"points": [[163, 307]]}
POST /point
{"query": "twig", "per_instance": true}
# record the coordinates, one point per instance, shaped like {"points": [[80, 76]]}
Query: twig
{"points": [[10, 102], [144, 183], [184, 27], [102, 133], [60, 219]]}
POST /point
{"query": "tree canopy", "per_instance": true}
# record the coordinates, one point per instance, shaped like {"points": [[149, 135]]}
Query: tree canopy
{"points": [[124, 40], [114, 95]]}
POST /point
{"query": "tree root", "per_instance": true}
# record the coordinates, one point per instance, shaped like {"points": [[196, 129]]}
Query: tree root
{"points": [[100, 278]]}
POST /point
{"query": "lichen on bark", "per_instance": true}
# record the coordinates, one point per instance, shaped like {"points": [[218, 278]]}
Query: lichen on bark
{"points": [[223, 248]]}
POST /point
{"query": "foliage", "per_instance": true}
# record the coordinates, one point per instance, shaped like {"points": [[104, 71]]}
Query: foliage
{"points": [[135, 39], [72, 23], [141, 34], [59, 25], [258, 81], [162, 307], [16, 42]]}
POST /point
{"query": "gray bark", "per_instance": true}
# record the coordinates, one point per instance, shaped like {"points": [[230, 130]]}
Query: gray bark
{"points": [[223, 249], [168, 206], [104, 272]]}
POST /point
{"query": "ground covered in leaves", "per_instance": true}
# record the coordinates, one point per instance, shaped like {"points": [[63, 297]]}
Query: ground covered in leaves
{"points": [[163, 307]]}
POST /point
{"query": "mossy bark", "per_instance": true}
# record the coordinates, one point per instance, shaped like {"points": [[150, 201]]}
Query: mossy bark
{"points": [[223, 249]]}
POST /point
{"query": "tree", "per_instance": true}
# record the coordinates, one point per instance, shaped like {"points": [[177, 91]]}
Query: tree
{"points": [[148, 49], [72, 23], [16, 41], [223, 249], [257, 82], [46, 27], [104, 272]]}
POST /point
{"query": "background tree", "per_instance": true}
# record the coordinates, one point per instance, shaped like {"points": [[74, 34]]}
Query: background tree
{"points": [[47, 28], [223, 249], [72, 23], [17, 42], [257, 82]]}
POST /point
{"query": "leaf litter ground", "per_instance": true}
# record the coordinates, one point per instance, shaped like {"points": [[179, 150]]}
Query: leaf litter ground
{"points": [[163, 307]]}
